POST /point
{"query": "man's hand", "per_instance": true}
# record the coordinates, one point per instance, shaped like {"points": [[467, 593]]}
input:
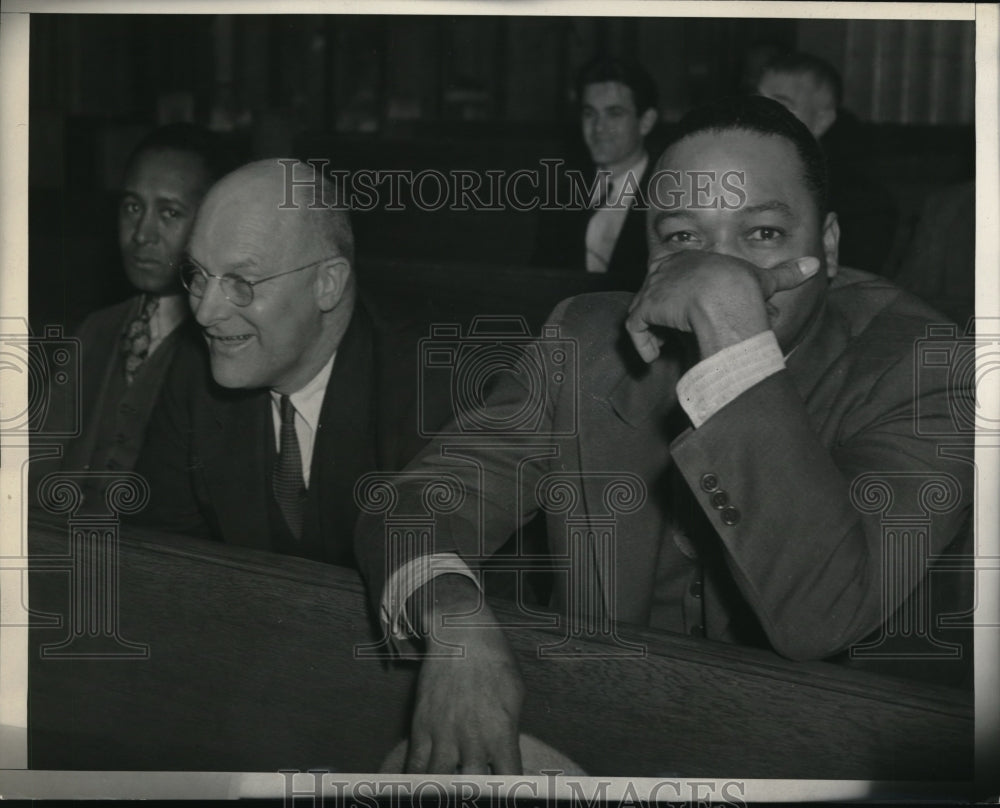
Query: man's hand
{"points": [[469, 706], [721, 299]]}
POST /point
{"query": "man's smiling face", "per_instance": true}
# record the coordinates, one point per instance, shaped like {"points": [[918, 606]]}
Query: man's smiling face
{"points": [[613, 128], [777, 217], [274, 341]]}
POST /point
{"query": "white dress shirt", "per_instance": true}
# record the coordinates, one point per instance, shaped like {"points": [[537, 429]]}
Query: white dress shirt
{"points": [[171, 312], [605, 224]]}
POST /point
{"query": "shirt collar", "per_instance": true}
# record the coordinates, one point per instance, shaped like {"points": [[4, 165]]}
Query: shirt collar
{"points": [[308, 401], [169, 314], [619, 185]]}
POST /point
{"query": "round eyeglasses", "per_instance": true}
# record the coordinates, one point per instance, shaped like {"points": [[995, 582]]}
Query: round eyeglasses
{"points": [[237, 289]]}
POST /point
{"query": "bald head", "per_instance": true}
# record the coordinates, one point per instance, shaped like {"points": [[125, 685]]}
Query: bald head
{"points": [[296, 252], [285, 200]]}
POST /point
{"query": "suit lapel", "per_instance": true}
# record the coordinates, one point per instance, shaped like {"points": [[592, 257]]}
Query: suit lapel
{"points": [[641, 397], [103, 360], [238, 439], [345, 438]]}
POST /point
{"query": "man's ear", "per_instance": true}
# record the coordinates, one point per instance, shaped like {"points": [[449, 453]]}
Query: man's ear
{"points": [[825, 118], [647, 121], [831, 244], [331, 281]]}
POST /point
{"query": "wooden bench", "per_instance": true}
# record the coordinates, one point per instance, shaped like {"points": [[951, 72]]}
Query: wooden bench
{"points": [[252, 665]]}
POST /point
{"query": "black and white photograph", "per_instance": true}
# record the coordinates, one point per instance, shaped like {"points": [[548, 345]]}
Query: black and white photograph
{"points": [[465, 402]]}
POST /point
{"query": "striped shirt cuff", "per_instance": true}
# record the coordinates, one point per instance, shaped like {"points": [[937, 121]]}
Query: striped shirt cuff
{"points": [[407, 580], [714, 382]]}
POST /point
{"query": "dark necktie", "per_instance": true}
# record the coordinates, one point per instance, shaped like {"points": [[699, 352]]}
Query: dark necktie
{"points": [[136, 339], [289, 486]]}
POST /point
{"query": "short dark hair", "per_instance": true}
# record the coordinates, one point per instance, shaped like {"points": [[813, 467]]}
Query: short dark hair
{"points": [[190, 139], [755, 113], [822, 71], [625, 71]]}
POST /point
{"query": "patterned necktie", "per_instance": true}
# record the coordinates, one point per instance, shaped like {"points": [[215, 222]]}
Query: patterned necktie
{"points": [[289, 486], [136, 339]]}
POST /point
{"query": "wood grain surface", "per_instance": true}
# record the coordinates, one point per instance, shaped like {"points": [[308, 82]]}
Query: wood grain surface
{"points": [[252, 666]]}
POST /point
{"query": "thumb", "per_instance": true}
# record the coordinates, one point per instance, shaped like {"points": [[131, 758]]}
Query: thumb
{"points": [[787, 275]]}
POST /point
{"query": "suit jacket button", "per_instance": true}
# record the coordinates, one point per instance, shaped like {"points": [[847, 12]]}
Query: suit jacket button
{"points": [[709, 483], [719, 500], [697, 631], [730, 515], [696, 586]]}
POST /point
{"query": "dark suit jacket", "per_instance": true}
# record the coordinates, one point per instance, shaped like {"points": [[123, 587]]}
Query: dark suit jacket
{"points": [[745, 529], [561, 240], [210, 451], [109, 418], [105, 402]]}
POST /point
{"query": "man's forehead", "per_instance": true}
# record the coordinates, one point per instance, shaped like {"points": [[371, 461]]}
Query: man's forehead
{"points": [[794, 81], [608, 93], [730, 161], [166, 165], [738, 148]]}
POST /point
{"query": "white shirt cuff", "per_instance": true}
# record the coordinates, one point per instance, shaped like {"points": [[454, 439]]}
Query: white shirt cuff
{"points": [[714, 382], [407, 580]]}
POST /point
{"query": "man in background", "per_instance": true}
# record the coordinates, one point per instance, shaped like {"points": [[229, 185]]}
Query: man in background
{"points": [[606, 233], [127, 348], [812, 90]]}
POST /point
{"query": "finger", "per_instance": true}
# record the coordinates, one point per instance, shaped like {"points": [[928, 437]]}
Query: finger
{"points": [[445, 759], [645, 341], [787, 275], [507, 755], [475, 760], [418, 754]]}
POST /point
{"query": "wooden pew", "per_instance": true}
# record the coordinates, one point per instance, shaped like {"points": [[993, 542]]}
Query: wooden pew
{"points": [[252, 666]]}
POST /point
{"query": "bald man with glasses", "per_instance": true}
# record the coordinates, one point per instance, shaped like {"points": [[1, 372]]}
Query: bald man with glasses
{"points": [[260, 440]]}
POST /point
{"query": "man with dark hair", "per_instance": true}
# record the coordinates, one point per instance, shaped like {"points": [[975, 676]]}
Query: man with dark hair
{"points": [[126, 348], [259, 440], [742, 397], [605, 232], [812, 90]]}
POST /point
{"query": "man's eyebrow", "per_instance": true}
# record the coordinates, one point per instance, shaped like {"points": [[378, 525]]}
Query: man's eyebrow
{"points": [[675, 213], [245, 263], [773, 205], [173, 200], [242, 264]]}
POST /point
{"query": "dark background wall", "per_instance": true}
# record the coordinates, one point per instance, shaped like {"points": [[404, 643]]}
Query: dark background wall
{"points": [[427, 91]]}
